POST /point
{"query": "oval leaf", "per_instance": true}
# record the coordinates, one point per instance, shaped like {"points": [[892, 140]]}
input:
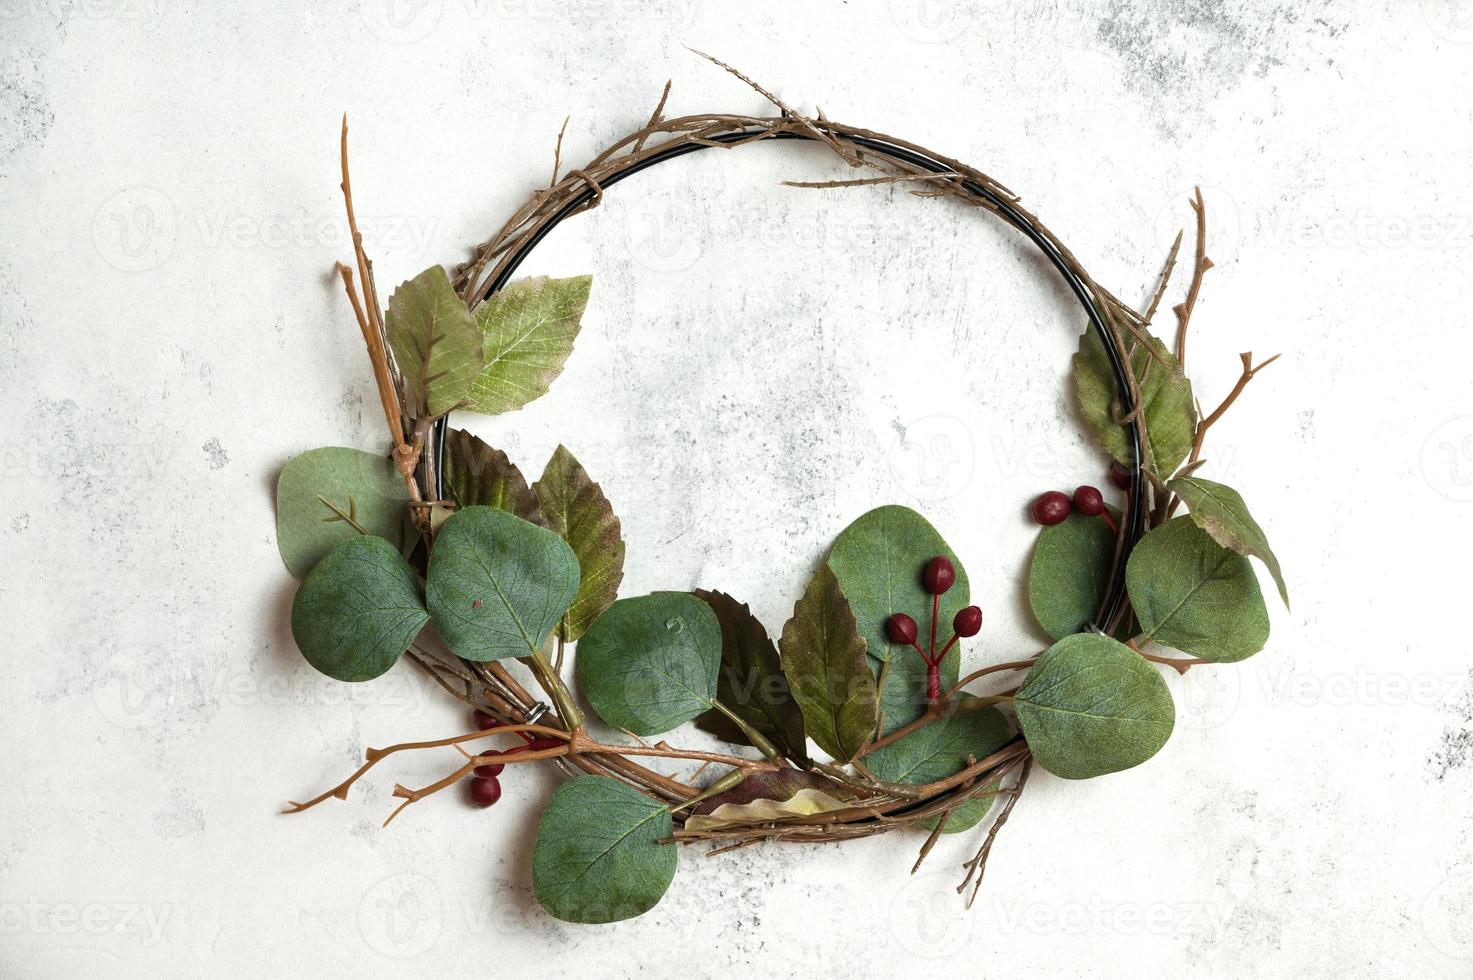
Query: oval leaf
{"points": [[1171, 416], [358, 610], [576, 509], [1069, 573], [942, 749], [435, 341], [1191, 593], [878, 561], [479, 475], [751, 682], [1091, 706], [824, 660], [649, 664], [497, 585], [328, 495], [1220, 511], [528, 331], [598, 856]]}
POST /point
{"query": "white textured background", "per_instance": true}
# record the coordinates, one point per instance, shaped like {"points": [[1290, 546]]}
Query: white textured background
{"points": [[759, 365]]}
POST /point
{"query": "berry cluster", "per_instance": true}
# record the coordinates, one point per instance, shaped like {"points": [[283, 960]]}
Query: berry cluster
{"points": [[1054, 506], [938, 577], [485, 788]]}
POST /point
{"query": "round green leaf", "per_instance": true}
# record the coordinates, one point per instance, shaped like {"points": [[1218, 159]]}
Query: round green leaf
{"points": [[1191, 593], [358, 610], [649, 663], [878, 561], [322, 493], [942, 749], [1069, 573], [598, 856], [497, 585], [1092, 705]]}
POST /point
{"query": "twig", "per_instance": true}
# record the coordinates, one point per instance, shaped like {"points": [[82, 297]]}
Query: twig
{"points": [[1199, 269], [978, 865], [1165, 279]]}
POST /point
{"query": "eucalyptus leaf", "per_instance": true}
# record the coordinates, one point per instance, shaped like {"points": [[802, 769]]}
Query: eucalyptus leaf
{"points": [[878, 561], [824, 660], [479, 475], [649, 663], [497, 585], [1191, 593], [1069, 573], [942, 749], [326, 496], [751, 682], [358, 610], [1220, 511], [1170, 413], [528, 330], [576, 509], [435, 342], [597, 857], [1091, 706]]}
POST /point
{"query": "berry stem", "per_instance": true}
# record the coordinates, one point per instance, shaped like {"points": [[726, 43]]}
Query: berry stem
{"points": [[933, 681], [935, 615], [1109, 522], [949, 643]]}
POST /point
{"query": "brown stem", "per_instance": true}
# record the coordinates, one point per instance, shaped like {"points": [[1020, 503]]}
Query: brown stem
{"points": [[1199, 270]]}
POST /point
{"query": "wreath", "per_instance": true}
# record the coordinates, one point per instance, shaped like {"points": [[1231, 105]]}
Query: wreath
{"points": [[444, 554]]}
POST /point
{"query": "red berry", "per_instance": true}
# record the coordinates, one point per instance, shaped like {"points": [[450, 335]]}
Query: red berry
{"points": [[485, 792], [491, 771], [968, 621], [483, 721], [1120, 476], [1089, 501], [1050, 508], [940, 575], [542, 744], [901, 629]]}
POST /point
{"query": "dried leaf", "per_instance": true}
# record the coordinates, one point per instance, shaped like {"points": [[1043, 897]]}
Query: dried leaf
{"points": [[751, 682]]}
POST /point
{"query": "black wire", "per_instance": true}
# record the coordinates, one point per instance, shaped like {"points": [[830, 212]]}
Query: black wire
{"points": [[1114, 602]]}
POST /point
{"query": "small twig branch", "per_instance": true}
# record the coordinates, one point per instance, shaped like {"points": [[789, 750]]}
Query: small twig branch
{"points": [[1165, 279], [1199, 269]]}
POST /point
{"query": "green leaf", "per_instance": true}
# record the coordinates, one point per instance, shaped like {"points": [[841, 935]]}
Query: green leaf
{"points": [[823, 657], [878, 561], [358, 610], [751, 682], [435, 342], [479, 475], [1069, 573], [649, 663], [528, 331], [1191, 593], [1220, 511], [1170, 415], [497, 585], [577, 510], [598, 856], [1091, 706], [942, 749], [322, 493]]}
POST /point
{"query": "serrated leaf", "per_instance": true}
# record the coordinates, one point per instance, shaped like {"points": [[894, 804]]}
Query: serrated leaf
{"points": [[528, 330], [322, 493], [358, 610], [576, 509], [824, 660], [751, 682], [649, 663], [1220, 511], [942, 749], [597, 857], [435, 342], [1191, 593], [878, 561], [1170, 413], [497, 585], [479, 475], [1092, 706], [1069, 573]]}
